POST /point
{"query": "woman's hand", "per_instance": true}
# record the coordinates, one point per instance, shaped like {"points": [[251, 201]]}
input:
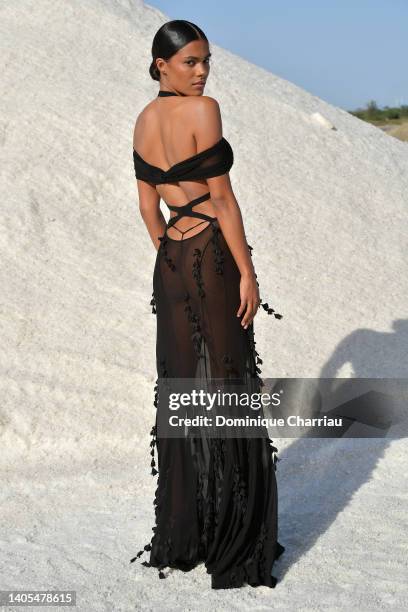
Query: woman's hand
{"points": [[250, 300]]}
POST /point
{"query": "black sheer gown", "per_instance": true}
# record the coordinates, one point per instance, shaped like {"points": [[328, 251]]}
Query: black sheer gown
{"points": [[216, 499]]}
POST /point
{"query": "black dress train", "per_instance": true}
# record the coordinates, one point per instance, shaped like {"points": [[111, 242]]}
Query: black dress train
{"points": [[216, 498]]}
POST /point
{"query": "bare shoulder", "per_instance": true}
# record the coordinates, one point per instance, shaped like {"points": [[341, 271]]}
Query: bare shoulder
{"points": [[205, 105], [206, 112], [145, 112], [141, 121], [209, 101]]}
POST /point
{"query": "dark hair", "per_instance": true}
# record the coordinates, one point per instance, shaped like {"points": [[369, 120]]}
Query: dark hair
{"points": [[170, 38]]}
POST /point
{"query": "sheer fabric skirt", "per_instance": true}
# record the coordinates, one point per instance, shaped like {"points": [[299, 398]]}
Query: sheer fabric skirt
{"points": [[216, 499]]}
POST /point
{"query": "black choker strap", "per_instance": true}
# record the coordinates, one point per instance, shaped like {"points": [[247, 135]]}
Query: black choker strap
{"points": [[162, 92]]}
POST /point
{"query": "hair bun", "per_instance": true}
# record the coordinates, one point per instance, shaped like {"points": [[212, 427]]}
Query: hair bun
{"points": [[154, 71]]}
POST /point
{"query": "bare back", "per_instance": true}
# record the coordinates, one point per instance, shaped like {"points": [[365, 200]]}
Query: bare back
{"points": [[164, 136]]}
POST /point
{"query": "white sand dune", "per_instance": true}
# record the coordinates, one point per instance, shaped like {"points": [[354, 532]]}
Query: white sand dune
{"points": [[324, 201]]}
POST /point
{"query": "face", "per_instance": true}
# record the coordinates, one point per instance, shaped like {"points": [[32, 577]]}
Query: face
{"points": [[186, 68]]}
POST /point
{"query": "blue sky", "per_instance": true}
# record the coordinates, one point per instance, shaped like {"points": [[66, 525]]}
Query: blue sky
{"points": [[344, 51]]}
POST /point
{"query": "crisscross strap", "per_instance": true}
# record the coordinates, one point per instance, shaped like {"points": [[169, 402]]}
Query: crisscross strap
{"points": [[187, 210]]}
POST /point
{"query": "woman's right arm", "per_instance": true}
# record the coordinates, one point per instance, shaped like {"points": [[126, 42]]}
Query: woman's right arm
{"points": [[149, 206]]}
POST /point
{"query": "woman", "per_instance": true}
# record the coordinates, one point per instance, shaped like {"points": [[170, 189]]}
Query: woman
{"points": [[216, 499]]}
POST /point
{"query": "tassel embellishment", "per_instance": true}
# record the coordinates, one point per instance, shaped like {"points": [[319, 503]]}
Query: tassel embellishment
{"points": [[265, 305], [270, 310], [152, 445], [153, 304], [147, 547], [197, 272]]}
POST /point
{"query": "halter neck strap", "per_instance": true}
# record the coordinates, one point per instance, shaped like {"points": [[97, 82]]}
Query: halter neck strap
{"points": [[162, 92]]}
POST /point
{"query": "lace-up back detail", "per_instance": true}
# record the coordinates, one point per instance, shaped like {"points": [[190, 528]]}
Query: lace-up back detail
{"points": [[213, 161]]}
